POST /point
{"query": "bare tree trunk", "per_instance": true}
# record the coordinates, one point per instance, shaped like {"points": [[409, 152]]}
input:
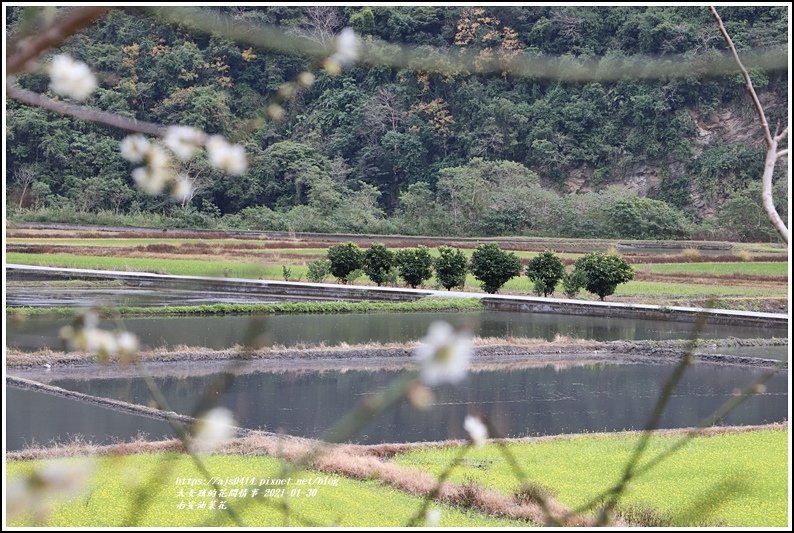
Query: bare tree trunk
{"points": [[772, 154], [22, 196], [25, 176]]}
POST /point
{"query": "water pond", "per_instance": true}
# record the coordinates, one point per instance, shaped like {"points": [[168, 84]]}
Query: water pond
{"points": [[225, 331], [546, 400]]}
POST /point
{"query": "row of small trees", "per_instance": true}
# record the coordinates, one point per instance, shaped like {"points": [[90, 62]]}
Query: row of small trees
{"points": [[596, 272]]}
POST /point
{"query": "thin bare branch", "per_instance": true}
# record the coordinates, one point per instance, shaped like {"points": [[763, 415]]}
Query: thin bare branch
{"points": [[750, 89], [715, 417], [723, 411], [652, 425], [183, 435], [434, 494], [772, 154], [29, 50], [766, 191], [113, 120], [782, 153]]}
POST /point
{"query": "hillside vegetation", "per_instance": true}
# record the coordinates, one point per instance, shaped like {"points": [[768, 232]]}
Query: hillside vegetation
{"points": [[382, 149]]}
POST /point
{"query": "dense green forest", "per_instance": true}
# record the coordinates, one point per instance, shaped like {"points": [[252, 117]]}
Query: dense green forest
{"points": [[381, 149]]}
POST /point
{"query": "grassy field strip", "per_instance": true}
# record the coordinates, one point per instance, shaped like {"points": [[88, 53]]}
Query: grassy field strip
{"points": [[320, 252], [749, 268], [194, 267], [423, 305], [577, 469], [181, 267], [120, 242], [661, 289], [754, 268], [350, 503]]}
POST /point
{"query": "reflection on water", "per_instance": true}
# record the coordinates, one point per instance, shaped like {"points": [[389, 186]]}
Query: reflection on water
{"points": [[225, 331], [132, 296], [46, 419], [521, 402], [779, 353]]}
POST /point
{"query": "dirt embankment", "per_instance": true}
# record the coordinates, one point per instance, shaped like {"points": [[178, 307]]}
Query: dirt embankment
{"points": [[264, 248], [488, 354]]}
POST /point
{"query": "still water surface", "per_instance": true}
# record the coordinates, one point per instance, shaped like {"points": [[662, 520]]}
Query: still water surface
{"points": [[530, 401], [131, 296], [225, 331]]}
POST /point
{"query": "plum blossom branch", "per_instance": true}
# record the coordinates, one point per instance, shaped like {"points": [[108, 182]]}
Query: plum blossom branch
{"points": [[29, 49], [97, 116]]}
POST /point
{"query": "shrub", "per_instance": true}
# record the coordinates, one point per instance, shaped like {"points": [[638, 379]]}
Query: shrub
{"points": [[392, 277], [603, 273], [505, 221], [344, 259], [378, 261], [414, 265], [262, 218], [354, 275], [451, 267], [286, 272], [572, 283], [643, 218], [319, 270], [494, 267], [531, 492], [688, 254], [546, 270], [538, 288]]}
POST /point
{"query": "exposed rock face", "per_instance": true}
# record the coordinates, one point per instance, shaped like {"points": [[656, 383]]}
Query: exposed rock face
{"points": [[726, 126], [736, 124], [578, 180], [642, 179]]}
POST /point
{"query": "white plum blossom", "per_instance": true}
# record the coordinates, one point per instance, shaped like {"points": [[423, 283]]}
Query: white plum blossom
{"points": [[181, 188], [433, 517], [66, 478], [444, 355], [147, 181], [276, 112], [306, 79], [127, 344], [71, 78], [87, 337], [97, 341], [157, 160], [157, 173], [134, 148], [35, 492], [347, 47], [212, 429], [90, 320], [229, 158], [476, 430], [183, 141]]}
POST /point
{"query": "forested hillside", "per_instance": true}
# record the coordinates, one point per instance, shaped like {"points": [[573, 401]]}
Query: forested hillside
{"points": [[382, 149]]}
